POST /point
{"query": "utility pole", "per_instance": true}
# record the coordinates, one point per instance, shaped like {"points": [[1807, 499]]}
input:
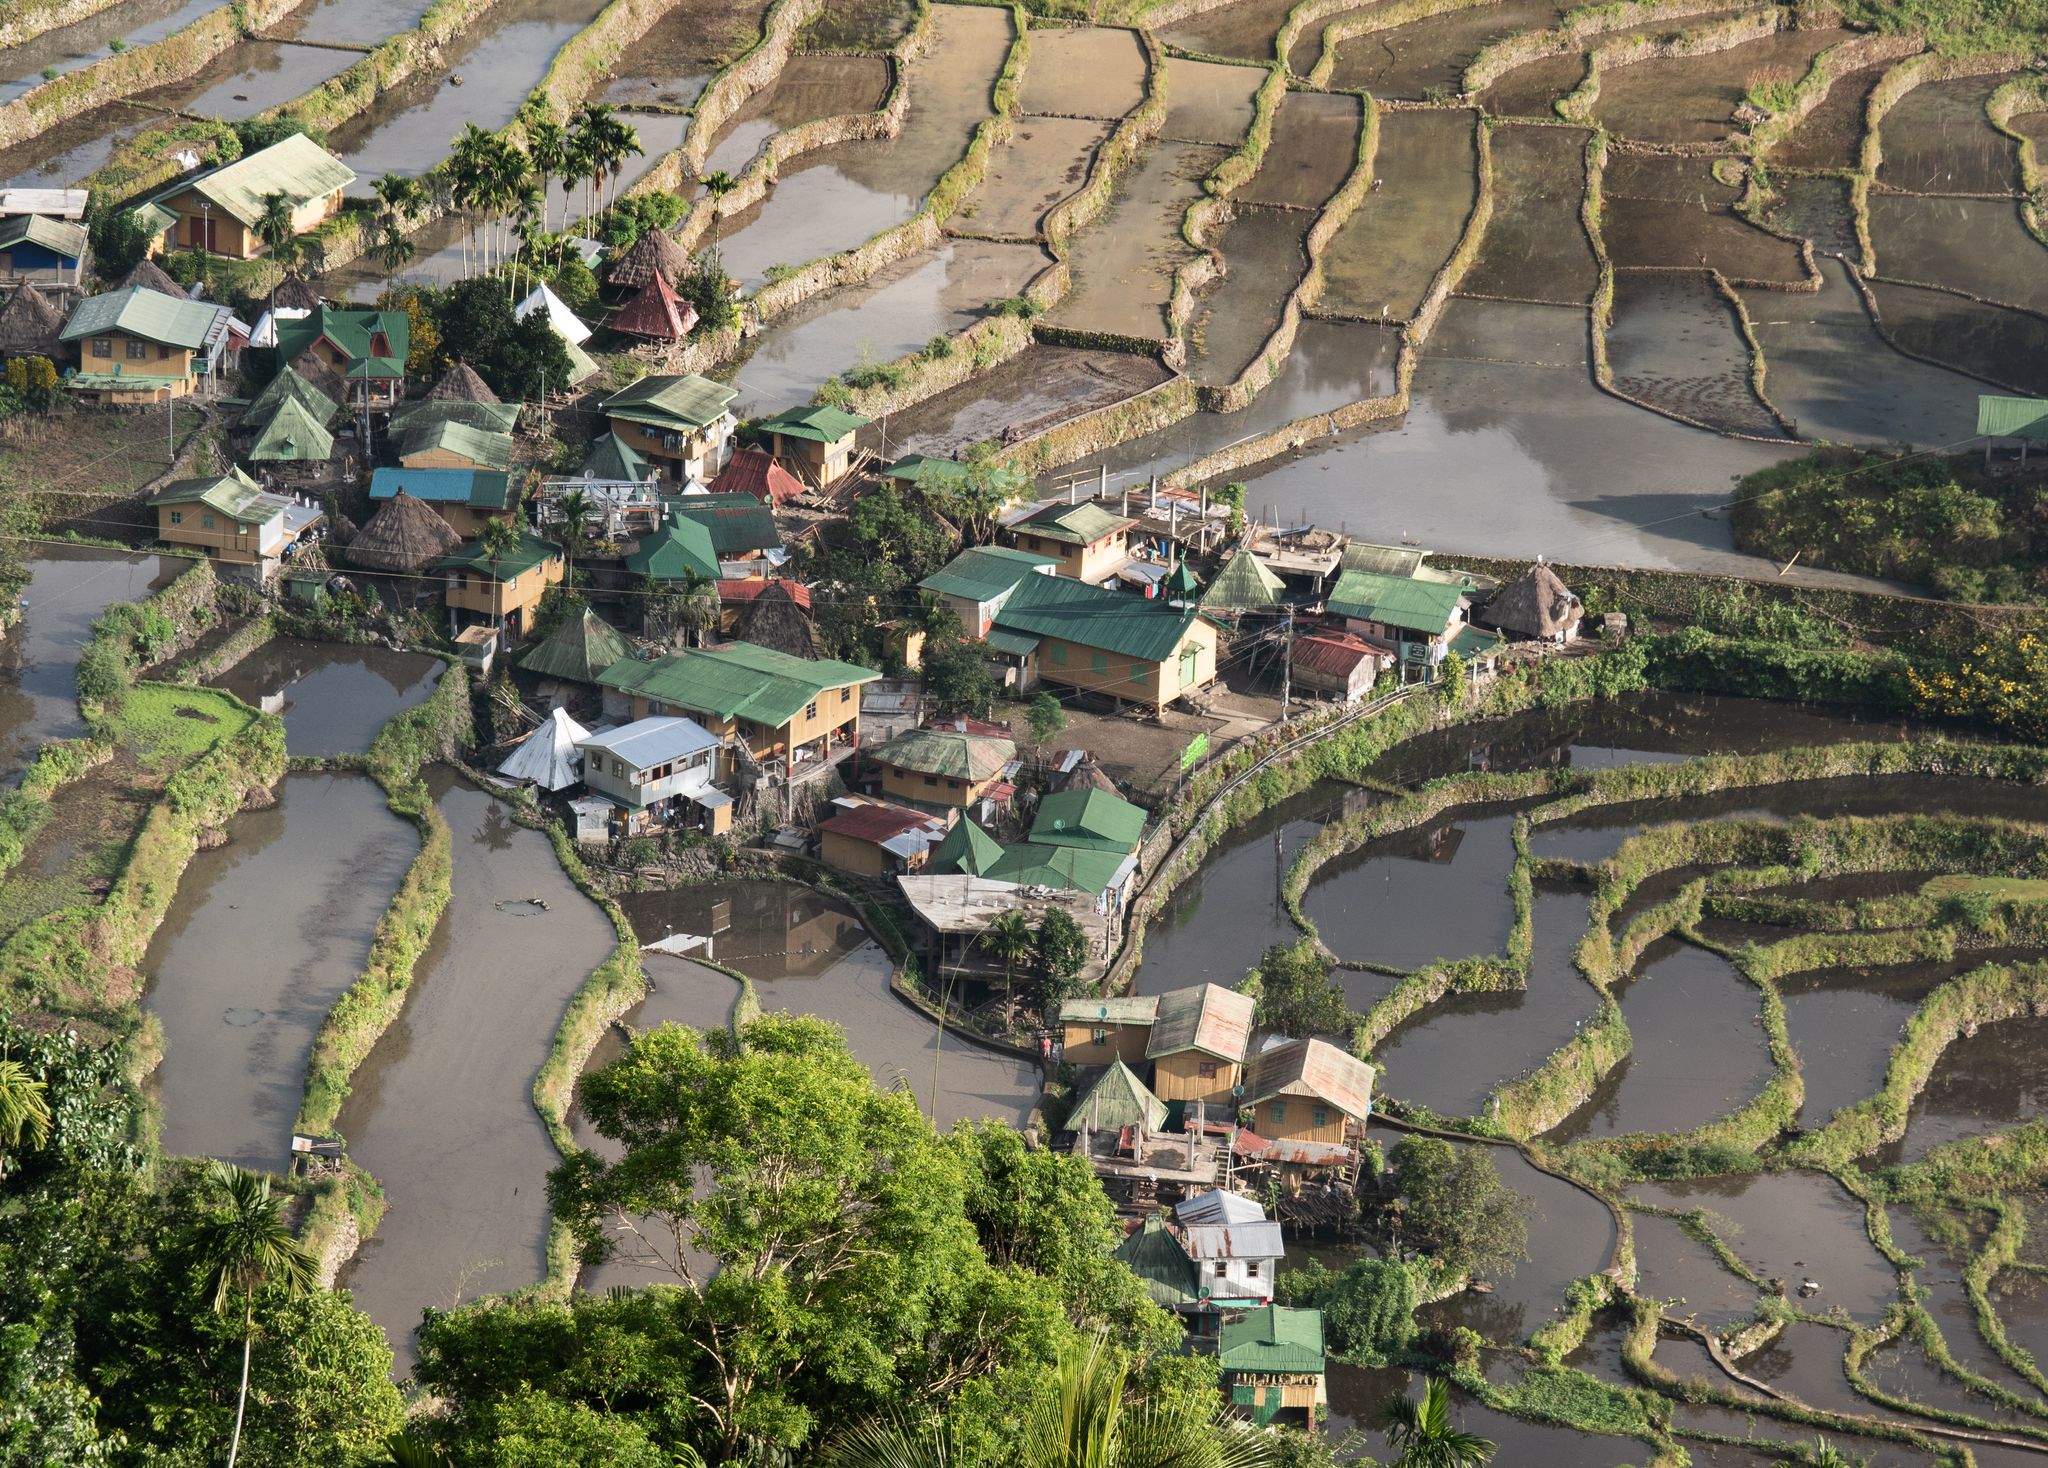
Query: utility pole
{"points": [[1287, 668], [170, 428]]}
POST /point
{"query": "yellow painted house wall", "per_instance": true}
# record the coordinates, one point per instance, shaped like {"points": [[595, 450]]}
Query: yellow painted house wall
{"points": [[1179, 1077], [865, 858], [837, 708], [471, 592], [1075, 666], [230, 236], [1078, 1045], [1091, 562], [228, 540], [171, 366], [1292, 1119], [821, 463], [466, 522], [934, 789]]}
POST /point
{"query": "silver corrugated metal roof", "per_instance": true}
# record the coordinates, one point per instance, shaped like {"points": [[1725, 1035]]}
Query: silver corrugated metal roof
{"points": [[1233, 1241]]}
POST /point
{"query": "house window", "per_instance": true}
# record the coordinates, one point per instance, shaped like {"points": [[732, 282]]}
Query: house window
{"points": [[103, 346], [846, 695], [1321, 1115], [136, 350], [1100, 1035], [206, 522], [931, 779], [1278, 1111], [1222, 1268], [177, 517], [810, 711], [163, 353], [1251, 1269], [1206, 1070], [1098, 662], [1059, 655]]}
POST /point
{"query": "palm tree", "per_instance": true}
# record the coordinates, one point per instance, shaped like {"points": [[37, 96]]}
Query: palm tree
{"points": [[246, 1246], [696, 603], [609, 144], [1423, 1435], [1087, 1421], [1009, 938], [547, 149], [500, 538], [274, 227], [575, 507], [24, 1107], [1826, 1455], [469, 181], [394, 250], [403, 1450], [717, 185]]}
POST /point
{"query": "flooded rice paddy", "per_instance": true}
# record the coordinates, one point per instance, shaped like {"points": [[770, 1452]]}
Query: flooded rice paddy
{"points": [[1914, 238], [1207, 102], [1427, 58], [1984, 1082], [1938, 140], [1084, 71], [1535, 248], [1831, 135], [1384, 257], [1692, 99], [1675, 342], [1046, 160], [1122, 270], [1265, 252], [2005, 348], [1313, 150], [67, 48], [333, 698], [808, 88]]}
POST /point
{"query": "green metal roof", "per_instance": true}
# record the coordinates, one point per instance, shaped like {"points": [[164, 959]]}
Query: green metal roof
{"points": [[739, 523], [1081, 524], [353, 334], [2007, 417], [672, 550], [1472, 642], [1114, 621], [687, 401], [737, 680], [292, 436], [610, 458], [1273, 1340], [1384, 560], [1397, 601], [143, 313], [490, 417], [1118, 1099], [1089, 818], [1073, 868], [58, 236], [1016, 644], [289, 385], [912, 468], [1156, 1257], [1244, 584], [820, 424], [967, 848], [984, 572], [234, 494], [582, 366], [531, 551], [296, 167], [153, 218], [579, 649], [1116, 1009], [483, 447], [950, 752]]}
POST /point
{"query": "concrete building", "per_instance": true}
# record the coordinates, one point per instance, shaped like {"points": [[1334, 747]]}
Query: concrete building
{"points": [[660, 772]]}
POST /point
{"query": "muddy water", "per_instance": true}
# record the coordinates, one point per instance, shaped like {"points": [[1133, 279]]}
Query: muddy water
{"points": [[264, 935], [1805, 1362], [411, 127], [1703, 230], [1083, 71], [1247, 30], [1267, 255], [1949, 1303], [1844, 1023], [265, 73], [1675, 343], [1989, 342], [1982, 1083], [1937, 140], [1692, 99], [1817, 209], [2020, 1299], [1044, 386], [68, 588], [1207, 102], [1383, 258], [769, 930], [350, 22], [70, 47], [1903, 1369], [1533, 90], [1699, 1050], [808, 88], [1672, 1265], [1792, 1226], [1407, 900], [333, 697], [834, 199], [1046, 161], [1535, 247], [1526, 456], [1453, 1055], [1429, 57], [1834, 377], [1356, 1396], [442, 1111], [861, 25], [1831, 136], [1313, 150], [1915, 241], [1216, 925], [1122, 265], [896, 311]]}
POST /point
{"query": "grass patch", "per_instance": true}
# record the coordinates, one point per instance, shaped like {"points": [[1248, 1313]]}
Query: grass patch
{"points": [[2009, 889], [166, 724]]}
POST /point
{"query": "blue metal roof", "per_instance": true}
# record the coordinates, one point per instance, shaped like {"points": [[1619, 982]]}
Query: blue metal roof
{"points": [[482, 488]]}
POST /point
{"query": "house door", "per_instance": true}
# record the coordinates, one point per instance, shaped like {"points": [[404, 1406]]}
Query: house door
{"points": [[202, 231], [1188, 656]]}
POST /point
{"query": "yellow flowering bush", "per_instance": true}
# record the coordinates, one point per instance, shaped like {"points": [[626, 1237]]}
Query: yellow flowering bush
{"points": [[2003, 683]]}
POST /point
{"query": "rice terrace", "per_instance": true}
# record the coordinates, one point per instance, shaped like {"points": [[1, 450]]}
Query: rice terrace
{"points": [[1061, 733]]}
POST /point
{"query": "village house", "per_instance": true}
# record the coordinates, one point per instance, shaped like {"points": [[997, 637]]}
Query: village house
{"points": [[218, 210], [612, 462], [1098, 1031], [1118, 1099], [674, 550], [1535, 607], [950, 767], [1243, 585], [137, 346], [467, 499], [293, 441], [288, 386], [1103, 875], [968, 850], [450, 445], [784, 707], [757, 474], [660, 772], [53, 251], [501, 591], [243, 530], [1198, 1043], [682, 425], [737, 594], [1308, 1091], [975, 583], [816, 441], [657, 314], [364, 349], [743, 533], [1234, 1247], [1090, 543], [1414, 619], [1337, 663], [1089, 818], [876, 840], [1123, 647], [1154, 1254], [404, 539], [1273, 1361]]}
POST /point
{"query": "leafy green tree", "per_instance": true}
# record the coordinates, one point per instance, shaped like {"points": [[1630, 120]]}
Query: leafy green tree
{"points": [[323, 1378], [254, 134], [1369, 1310], [1062, 954], [248, 1244], [708, 289], [1423, 1435], [1455, 1206], [515, 357], [957, 679], [1048, 718], [24, 1108], [1297, 995]]}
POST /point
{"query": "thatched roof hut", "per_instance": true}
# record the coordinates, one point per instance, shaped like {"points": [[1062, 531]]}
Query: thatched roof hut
{"points": [[657, 313], [150, 276], [461, 384], [775, 620], [30, 325], [579, 649], [1534, 604], [406, 537], [654, 254], [295, 293]]}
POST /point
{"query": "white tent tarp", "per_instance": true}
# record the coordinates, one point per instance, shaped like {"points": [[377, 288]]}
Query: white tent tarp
{"points": [[559, 315], [548, 755]]}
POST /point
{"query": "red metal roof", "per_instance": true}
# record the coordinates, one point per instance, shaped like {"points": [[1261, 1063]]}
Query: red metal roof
{"points": [[657, 313], [760, 474], [738, 592], [878, 822], [1334, 654]]}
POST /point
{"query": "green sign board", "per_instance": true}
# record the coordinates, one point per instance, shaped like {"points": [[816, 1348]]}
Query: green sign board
{"points": [[1197, 747]]}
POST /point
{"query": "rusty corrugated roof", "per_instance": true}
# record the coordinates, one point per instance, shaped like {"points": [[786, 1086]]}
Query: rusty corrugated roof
{"points": [[1210, 1018], [1312, 1068]]}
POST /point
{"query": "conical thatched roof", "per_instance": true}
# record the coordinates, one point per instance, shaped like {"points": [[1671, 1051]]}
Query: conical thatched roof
{"points": [[578, 650], [460, 384], [1534, 604], [774, 620], [295, 293], [405, 536], [657, 313], [1245, 582], [29, 325], [150, 276], [653, 254]]}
